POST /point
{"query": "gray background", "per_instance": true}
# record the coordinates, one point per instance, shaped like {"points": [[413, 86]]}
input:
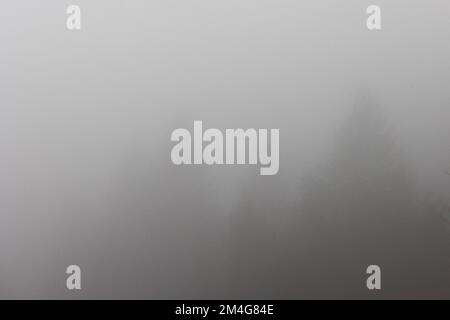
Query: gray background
{"points": [[85, 170]]}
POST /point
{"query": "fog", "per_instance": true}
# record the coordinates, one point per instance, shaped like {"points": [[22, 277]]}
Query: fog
{"points": [[86, 175]]}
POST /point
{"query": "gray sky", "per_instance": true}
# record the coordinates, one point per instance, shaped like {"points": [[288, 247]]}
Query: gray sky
{"points": [[86, 117]]}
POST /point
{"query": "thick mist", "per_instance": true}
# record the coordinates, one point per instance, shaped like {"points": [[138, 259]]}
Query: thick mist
{"points": [[86, 175]]}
